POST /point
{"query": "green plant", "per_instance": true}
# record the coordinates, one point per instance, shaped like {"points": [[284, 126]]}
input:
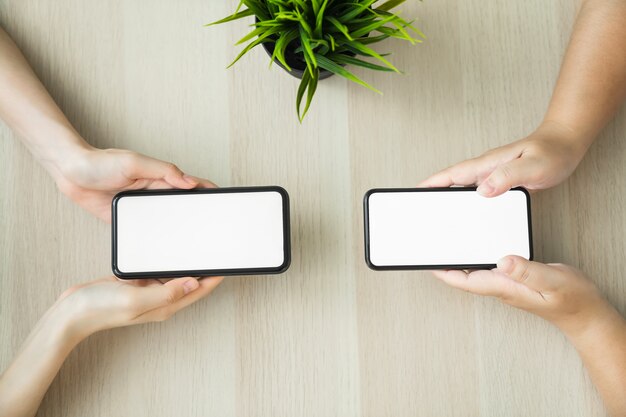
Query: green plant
{"points": [[323, 34]]}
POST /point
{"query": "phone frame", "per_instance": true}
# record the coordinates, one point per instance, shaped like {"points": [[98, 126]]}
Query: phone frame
{"points": [[432, 267], [204, 272]]}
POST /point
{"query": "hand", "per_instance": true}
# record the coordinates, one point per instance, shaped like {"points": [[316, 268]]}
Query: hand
{"points": [[80, 311], [542, 160], [108, 302], [558, 293], [91, 177]]}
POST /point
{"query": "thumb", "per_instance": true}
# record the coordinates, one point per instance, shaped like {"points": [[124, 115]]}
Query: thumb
{"points": [[534, 275], [505, 177], [143, 166], [156, 296]]}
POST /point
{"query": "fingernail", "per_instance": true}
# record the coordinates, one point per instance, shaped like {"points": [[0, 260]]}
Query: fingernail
{"points": [[190, 179], [505, 264], [190, 285], [485, 189]]}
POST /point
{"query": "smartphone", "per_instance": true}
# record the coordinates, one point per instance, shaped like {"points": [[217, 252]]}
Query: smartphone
{"points": [[200, 232], [444, 228]]}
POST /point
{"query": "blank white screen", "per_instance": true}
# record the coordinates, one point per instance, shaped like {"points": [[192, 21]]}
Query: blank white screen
{"points": [[200, 231], [446, 228]]}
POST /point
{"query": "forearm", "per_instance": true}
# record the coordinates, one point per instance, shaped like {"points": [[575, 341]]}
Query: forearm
{"points": [[602, 347], [27, 108], [592, 81], [26, 380]]}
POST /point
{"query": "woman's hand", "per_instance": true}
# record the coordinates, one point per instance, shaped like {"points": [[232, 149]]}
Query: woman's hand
{"points": [[542, 160], [80, 311], [566, 298], [91, 177], [558, 293], [108, 302]]}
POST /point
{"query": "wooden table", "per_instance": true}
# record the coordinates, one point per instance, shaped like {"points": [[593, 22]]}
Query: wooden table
{"points": [[329, 337]]}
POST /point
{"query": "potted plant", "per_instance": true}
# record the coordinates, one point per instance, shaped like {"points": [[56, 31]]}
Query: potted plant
{"points": [[313, 39]]}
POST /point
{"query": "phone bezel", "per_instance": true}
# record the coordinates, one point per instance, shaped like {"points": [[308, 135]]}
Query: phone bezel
{"points": [[374, 267], [204, 272]]}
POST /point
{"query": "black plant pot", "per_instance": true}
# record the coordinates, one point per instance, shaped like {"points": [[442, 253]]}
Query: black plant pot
{"points": [[298, 66]]}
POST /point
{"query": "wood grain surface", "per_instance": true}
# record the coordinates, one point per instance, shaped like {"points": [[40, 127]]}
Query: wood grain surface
{"points": [[329, 337]]}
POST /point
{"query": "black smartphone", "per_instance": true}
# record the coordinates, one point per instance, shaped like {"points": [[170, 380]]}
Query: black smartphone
{"points": [[444, 228], [200, 232]]}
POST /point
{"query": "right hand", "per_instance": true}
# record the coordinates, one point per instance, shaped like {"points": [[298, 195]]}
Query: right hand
{"points": [[108, 302], [556, 292], [542, 160], [91, 177]]}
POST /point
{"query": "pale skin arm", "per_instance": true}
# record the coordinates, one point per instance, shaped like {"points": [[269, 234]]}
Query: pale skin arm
{"points": [[81, 311], [87, 175], [27, 108], [590, 89]]}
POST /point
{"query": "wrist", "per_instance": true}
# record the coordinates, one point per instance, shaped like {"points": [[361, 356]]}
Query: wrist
{"points": [[67, 148], [67, 317], [569, 138], [587, 327]]}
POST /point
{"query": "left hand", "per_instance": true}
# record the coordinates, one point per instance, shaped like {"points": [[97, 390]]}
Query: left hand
{"points": [[94, 176], [108, 302]]}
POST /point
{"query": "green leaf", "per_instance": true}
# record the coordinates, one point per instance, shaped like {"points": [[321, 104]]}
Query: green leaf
{"points": [[340, 26], [329, 65], [251, 45], [304, 24], [232, 17], [306, 44], [316, 6], [356, 10], [258, 8], [390, 4], [332, 42], [319, 20], [286, 16], [256, 32], [373, 39], [403, 22], [239, 6], [364, 50], [310, 92], [302, 5], [304, 83], [399, 34], [281, 45], [373, 26], [348, 60]]}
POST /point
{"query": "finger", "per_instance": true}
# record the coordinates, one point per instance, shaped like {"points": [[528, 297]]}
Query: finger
{"points": [[455, 175], [534, 275], [159, 185], [206, 286], [482, 282], [202, 182], [141, 282], [155, 296], [142, 166], [508, 175], [468, 172]]}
